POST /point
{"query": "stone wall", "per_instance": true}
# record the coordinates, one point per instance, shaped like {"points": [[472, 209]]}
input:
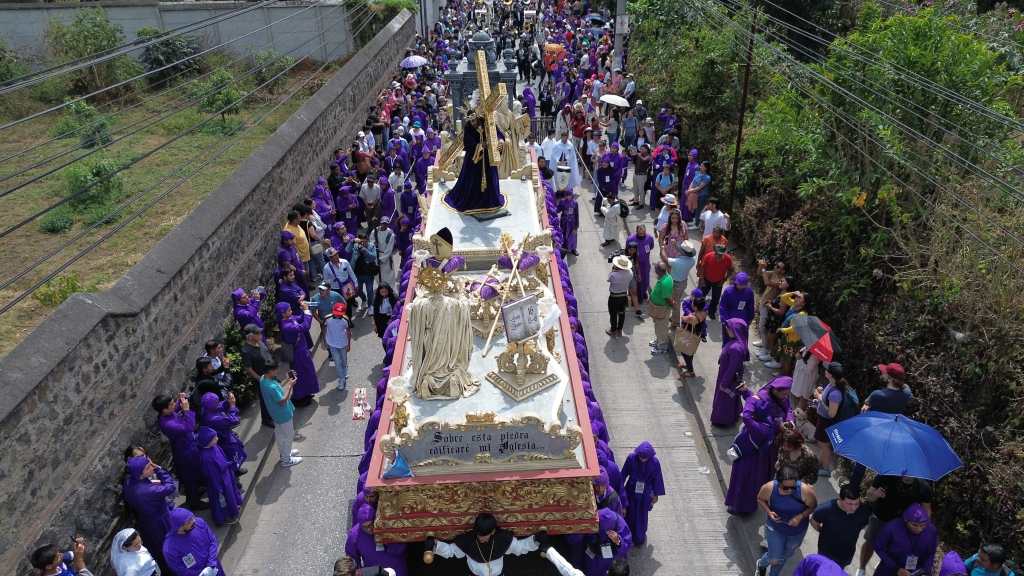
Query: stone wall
{"points": [[23, 25], [76, 392]]}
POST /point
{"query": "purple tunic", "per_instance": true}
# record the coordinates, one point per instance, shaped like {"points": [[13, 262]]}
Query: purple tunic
{"points": [[387, 201], [737, 302], [291, 293], [151, 502], [818, 565], [643, 482], [597, 546], [762, 417], [644, 245], [726, 407], [223, 418], [349, 211], [895, 543], [293, 331], [246, 314], [476, 190], [190, 553], [420, 172], [568, 221], [688, 174], [362, 548], [221, 482], [179, 428], [409, 204], [323, 203]]}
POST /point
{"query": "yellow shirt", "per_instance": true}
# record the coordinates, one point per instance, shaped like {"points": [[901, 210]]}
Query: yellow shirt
{"points": [[301, 242]]}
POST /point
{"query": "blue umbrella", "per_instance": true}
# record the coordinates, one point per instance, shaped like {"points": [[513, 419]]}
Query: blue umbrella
{"points": [[894, 445]]}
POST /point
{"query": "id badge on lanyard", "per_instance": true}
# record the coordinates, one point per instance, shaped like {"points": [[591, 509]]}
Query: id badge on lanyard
{"points": [[639, 488]]}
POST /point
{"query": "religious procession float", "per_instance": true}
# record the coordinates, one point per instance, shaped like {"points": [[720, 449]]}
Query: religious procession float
{"points": [[485, 409]]}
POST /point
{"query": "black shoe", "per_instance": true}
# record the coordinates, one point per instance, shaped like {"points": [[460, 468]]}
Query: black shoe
{"points": [[762, 570], [196, 506], [575, 253], [243, 471]]}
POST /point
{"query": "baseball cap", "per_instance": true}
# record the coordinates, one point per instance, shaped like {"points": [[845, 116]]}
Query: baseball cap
{"points": [[894, 370]]}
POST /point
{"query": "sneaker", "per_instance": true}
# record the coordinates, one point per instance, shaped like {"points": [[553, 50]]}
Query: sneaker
{"points": [[610, 332], [330, 361], [758, 344], [656, 351], [762, 570], [291, 462], [295, 452], [772, 364], [860, 572], [763, 356], [653, 342], [341, 387]]}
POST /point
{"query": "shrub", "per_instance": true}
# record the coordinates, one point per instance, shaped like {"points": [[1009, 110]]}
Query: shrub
{"points": [[58, 220], [52, 91], [97, 183], [10, 67], [60, 289], [166, 52], [219, 94], [90, 33], [81, 118], [271, 64]]}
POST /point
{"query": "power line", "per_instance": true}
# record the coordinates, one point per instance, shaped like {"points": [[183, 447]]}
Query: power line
{"points": [[909, 9], [154, 71], [138, 213], [158, 118], [34, 78]]}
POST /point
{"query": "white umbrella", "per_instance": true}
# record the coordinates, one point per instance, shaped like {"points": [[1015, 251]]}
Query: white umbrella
{"points": [[615, 100]]}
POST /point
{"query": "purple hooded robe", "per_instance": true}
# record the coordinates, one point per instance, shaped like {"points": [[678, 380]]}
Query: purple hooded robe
{"points": [[179, 428], [419, 171], [362, 548], [737, 300], [762, 417], [349, 210], [246, 314], [150, 501], [818, 565], [323, 202], [895, 543], [597, 546], [409, 205], [643, 482], [568, 220], [530, 102], [644, 245], [221, 482], [725, 410], [223, 418], [688, 173], [190, 553], [293, 331], [290, 255]]}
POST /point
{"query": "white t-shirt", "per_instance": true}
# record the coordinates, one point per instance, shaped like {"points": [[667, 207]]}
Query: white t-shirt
{"points": [[712, 220], [370, 194]]}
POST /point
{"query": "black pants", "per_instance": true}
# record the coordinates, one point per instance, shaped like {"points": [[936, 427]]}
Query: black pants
{"points": [[688, 360], [617, 310], [716, 295]]}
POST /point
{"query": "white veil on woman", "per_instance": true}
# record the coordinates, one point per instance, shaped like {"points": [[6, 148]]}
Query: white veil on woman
{"points": [[131, 562]]}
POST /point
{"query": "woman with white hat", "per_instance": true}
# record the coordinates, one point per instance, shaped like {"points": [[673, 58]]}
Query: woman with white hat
{"points": [[618, 293]]}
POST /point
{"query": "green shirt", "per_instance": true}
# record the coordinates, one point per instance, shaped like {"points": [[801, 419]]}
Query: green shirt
{"points": [[662, 291]]}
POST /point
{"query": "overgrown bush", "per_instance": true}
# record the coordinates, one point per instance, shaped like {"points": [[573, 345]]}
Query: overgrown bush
{"points": [[166, 52], [83, 120], [94, 184], [10, 67], [57, 220], [89, 33], [271, 64], [56, 291], [219, 94]]}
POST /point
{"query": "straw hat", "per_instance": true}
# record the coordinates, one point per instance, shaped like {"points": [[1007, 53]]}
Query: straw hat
{"points": [[622, 262], [669, 200]]}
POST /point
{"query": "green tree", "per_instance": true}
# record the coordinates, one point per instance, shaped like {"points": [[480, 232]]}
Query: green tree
{"points": [[271, 64], [90, 33], [219, 94], [92, 128], [167, 52]]}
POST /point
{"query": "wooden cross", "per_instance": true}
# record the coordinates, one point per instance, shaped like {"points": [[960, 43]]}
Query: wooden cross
{"points": [[486, 107]]}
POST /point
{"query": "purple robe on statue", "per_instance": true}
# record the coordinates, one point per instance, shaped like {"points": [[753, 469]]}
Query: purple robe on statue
{"points": [[643, 482], [221, 482], [362, 548], [762, 417], [469, 194], [246, 314], [179, 428], [598, 549], [190, 553], [725, 410], [293, 331], [818, 565], [151, 502], [644, 245], [223, 418]]}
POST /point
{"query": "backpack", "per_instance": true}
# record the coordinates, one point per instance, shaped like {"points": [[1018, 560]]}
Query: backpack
{"points": [[849, 406]]}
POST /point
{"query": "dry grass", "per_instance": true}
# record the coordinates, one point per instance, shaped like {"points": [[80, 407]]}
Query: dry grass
{"points": [[102, 267]]}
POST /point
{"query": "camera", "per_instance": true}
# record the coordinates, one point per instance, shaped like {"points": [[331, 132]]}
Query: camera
{"points": [[612, 256]]}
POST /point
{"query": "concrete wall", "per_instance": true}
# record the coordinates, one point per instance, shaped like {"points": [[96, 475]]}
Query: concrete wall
{"points": [[23, 26], [77, 390]]}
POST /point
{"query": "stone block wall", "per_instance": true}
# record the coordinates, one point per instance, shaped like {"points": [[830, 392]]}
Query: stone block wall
{"points": [[76, 392]]}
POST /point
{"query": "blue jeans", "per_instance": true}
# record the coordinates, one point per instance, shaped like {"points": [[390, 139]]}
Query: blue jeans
{"points": [[780, 548], [366, 289], [340, 357]]}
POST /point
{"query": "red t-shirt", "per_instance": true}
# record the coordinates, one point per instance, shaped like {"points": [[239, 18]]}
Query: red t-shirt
{"points": [[716, 269]]}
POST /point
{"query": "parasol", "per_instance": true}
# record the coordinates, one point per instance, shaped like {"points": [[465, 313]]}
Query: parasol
{"points": [[894, 445], [615, 100], [816, 336], [414, 61]]}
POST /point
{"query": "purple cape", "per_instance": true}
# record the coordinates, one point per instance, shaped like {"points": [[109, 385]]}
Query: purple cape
{"points": [[221, 483], [196, 548], [151, 502], [635, 472], [726, 407]]}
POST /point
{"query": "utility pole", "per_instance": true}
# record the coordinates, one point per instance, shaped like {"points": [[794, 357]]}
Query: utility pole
{"points": [[620, 31], [743, 111]]}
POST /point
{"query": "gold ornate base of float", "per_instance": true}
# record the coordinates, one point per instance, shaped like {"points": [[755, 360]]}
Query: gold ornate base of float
{"points": [[410, 513], [520, 388]]}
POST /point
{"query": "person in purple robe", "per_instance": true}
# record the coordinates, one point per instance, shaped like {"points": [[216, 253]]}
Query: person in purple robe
{"points": [[190, 548], [289, 291], [149, 493], [178, 424], [568, 220], [221, 482], [403, 237], [393, 160], [287, 253], [350, 212], [362, 548], [476, 191], [692, 166], [737, 301], [223, 417], [323, 202], [907, 543], [612, 540], [247, 307], [818, 565], [431, 142], [387, 198], [952, 565], [409, 205], [614, 477], [423, 163], [605, 495], [644, 484], [294, 328], [763, 416], [725, 410], [530, 102], [644, 244]]}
